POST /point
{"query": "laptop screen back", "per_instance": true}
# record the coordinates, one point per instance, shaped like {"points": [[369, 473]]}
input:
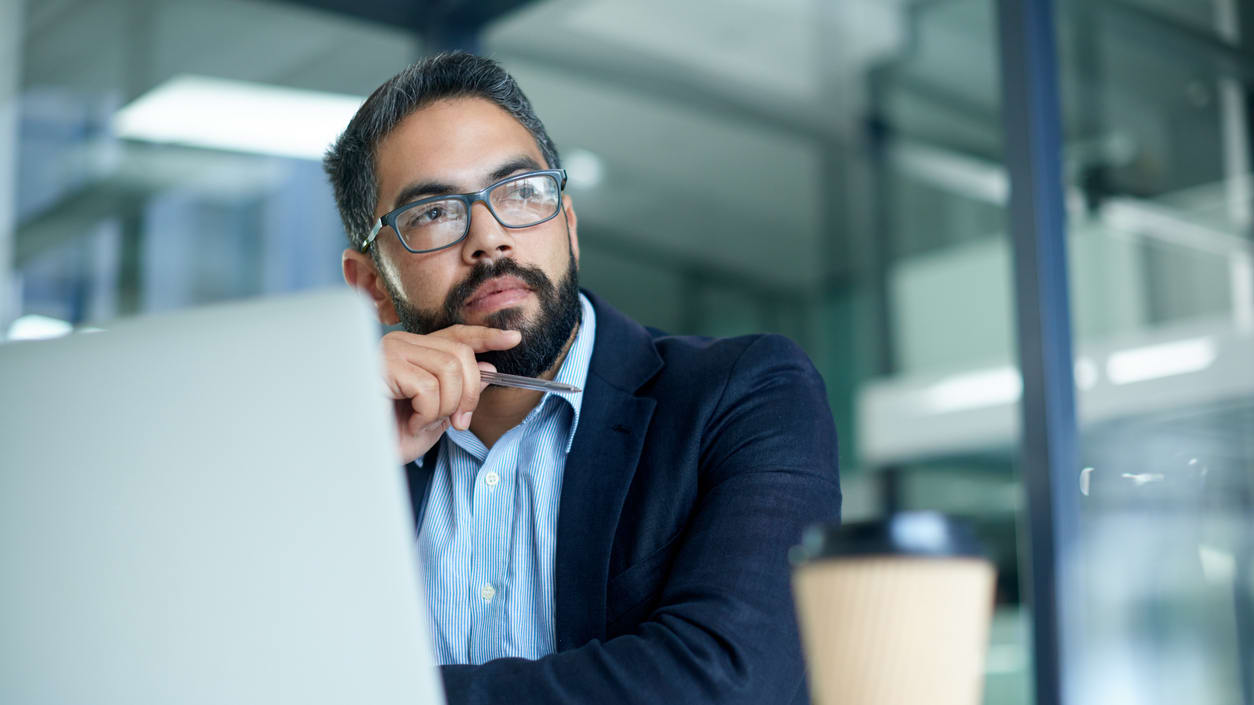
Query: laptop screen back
{"points": [[206, 507]]}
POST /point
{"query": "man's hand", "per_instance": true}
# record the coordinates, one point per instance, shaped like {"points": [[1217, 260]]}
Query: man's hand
{"points": [[434, 380]]}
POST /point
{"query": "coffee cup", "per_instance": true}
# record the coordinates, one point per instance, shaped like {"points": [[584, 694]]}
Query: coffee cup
{"points": [[894, 611]]}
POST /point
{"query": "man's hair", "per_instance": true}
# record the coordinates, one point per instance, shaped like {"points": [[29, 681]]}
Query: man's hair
{"points": [[350, 162]]}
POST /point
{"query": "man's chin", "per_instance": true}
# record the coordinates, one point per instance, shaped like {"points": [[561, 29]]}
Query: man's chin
{"points": [[508, 318]]}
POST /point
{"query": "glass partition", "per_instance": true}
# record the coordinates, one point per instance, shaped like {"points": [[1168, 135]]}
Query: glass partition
{"points": [[1158, 129]]}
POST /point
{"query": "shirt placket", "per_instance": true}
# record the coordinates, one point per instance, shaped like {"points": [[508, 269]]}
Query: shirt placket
{"points": [[491, 512]]}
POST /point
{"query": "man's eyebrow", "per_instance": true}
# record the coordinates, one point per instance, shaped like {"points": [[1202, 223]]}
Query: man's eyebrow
{"points": [[424, 189], [421, 189], [523, 163]]}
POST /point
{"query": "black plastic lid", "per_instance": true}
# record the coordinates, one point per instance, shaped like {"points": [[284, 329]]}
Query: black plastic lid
{"points": [[927, 534]]}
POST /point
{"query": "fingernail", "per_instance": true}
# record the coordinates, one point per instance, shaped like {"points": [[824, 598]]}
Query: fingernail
{"points": [[463, 420]]}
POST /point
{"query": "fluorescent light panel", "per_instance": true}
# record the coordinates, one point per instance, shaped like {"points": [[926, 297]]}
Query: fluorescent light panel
{"points": [[35, 327], [1000, 385], [1003, 385], [1164, 360], [199, 111]]}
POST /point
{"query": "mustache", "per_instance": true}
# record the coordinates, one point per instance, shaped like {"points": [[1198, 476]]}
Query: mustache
{"points": [[535, 279]]}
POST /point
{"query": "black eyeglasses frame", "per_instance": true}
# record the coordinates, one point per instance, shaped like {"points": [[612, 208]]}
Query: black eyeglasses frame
{"points": [[469, 199]]}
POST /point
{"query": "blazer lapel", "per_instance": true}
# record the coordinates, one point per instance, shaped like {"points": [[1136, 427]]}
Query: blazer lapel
{"points": [[419, 477], [612, 425]]}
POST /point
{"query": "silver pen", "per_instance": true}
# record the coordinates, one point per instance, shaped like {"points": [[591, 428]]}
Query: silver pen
{"points": [[501, 379]]}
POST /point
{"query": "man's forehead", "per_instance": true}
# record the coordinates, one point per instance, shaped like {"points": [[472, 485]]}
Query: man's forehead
{"points": [[462, 139], [457, 145]]}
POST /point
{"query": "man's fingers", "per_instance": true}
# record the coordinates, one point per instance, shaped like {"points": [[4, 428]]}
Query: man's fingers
{"points": [[438, 373], [417, 425], [480, 338], [451, 375], [452, 364], [469, 371], [422, 389]]}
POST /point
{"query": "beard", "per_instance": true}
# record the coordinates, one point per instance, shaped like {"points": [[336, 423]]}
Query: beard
{"points": [[542, 339]]}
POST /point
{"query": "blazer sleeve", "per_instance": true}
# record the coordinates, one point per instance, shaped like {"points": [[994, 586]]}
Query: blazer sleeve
{"points": [[724, 630]]}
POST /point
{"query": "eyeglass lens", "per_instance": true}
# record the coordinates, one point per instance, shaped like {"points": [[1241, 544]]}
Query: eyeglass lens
{"points": [[516, 204]]}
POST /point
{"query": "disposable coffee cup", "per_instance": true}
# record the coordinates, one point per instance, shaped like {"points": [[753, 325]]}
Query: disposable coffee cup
{"points": [[894, 611]]}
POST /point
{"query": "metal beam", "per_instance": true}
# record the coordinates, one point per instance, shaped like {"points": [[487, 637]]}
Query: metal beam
{"points": [[1033, 149], [10, 82], [443, 25]]}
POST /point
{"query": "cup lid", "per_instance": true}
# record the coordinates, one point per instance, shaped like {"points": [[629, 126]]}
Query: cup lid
{"points": [[927, 534]]}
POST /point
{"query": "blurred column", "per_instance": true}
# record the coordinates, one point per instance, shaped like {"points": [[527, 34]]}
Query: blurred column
{"points": [[1236, 156], [1032, 123], [10, 86], [1236, 152]]}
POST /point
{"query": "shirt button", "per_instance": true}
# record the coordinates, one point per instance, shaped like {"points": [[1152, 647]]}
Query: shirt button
{"points": [[487, 592], [491, 479]]}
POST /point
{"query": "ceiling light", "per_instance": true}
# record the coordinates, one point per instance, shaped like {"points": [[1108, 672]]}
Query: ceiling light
{"points": [[1164, 360], [36, 327], [216, 113], [584, 169], [1000, 385]]}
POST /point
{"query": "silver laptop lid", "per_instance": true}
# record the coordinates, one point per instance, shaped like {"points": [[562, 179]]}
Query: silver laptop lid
{"points": [[206, 507]]}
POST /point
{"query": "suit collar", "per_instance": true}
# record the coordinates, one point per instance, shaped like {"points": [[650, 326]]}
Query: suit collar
{"points": [[599, 470], [624, 355]]}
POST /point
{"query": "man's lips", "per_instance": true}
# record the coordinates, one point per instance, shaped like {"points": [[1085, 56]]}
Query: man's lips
{"points": [[497, 293]]}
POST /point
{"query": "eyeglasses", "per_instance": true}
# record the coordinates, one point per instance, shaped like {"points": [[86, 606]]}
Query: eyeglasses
{"points": [[438, 222]]}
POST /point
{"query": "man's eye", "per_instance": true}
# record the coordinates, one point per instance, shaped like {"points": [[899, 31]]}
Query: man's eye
{"points": [[522, 191], [425, 216]]}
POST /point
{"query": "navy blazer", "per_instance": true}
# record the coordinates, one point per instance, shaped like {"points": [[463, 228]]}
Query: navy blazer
{"points": [[696, 465]]}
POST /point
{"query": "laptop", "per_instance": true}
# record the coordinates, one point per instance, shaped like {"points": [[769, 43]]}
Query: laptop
{"points": [[206, 507]]}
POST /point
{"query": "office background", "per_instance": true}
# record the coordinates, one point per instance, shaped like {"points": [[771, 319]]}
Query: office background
{"points": [[834, 170]]}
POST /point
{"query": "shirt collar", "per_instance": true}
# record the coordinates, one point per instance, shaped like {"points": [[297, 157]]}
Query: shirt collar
{"points": [[574, 369]]}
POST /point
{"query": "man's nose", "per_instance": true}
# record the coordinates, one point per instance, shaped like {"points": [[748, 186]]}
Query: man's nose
{"points": [[487, 239]]}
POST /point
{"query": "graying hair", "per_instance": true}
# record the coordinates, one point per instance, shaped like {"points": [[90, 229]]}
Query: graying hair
{"points": [[350, 162]]}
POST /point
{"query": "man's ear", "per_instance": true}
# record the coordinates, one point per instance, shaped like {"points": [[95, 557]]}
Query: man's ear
{"points": [[572, 226], [361, 274]]}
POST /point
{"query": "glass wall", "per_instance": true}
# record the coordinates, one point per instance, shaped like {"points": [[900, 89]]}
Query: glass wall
{"points": [[1158, 129]]}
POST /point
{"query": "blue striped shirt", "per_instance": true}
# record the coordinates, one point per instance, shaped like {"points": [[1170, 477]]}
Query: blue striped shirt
{"points": [[488, 535]]}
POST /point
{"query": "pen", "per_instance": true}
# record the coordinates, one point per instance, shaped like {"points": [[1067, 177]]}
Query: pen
{"points": [[543, 385]]}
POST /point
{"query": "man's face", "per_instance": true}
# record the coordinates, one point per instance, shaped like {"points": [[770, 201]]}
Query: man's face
{"points": [[526, 279]]}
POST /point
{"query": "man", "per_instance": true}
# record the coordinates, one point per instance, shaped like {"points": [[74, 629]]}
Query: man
{"points": [[622, 544]]}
